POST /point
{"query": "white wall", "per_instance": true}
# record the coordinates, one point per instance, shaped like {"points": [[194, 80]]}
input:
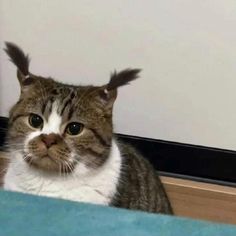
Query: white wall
{"points": [[187, 50]]}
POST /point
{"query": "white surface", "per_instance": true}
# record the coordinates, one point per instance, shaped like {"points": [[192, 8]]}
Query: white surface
{"points": [[186, 48]]}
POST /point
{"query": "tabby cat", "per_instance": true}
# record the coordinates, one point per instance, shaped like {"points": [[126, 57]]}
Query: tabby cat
{"points": [[61, 144]]}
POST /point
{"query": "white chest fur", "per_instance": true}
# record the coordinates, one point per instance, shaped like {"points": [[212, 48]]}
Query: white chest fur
{"points": [[96, 186]]}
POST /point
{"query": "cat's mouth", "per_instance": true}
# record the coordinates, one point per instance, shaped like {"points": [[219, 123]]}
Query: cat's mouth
{"points": [[49, 163]]}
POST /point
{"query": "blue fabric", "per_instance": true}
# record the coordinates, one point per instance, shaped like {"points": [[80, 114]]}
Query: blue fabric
{"points": [[22, 214]]}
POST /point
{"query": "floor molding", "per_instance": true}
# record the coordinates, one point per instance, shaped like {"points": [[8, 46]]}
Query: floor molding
{"points": [[201, 200]]}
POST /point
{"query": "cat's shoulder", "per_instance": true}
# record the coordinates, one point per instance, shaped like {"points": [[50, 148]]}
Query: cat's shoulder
{"points": [[130, 153]]}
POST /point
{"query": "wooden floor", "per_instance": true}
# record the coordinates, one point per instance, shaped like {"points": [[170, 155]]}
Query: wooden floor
{"points": [[201, 200]]}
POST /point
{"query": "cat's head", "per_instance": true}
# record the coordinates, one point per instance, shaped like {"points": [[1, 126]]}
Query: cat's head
{"points": [[57, 126]]}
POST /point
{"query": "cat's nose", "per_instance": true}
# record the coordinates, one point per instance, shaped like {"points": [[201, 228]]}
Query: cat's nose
{"points": [[50, 139]]}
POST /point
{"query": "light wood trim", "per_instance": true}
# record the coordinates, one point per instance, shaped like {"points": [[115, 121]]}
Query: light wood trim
{"points": [[201, 200], [3, 166]]}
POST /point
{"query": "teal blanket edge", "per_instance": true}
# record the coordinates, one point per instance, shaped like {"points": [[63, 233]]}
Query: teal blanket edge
{"points": [[23, 214]]}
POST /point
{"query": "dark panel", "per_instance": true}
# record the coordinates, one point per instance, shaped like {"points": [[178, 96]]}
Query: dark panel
{"points": [[203, 163], [3, 129]]}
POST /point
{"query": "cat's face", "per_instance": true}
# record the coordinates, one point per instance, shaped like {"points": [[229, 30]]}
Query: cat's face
{"points": [[56, 126]]}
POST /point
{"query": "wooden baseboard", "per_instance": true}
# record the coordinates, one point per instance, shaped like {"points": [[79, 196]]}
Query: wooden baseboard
{"points": [[3, 166], [201, 200]]}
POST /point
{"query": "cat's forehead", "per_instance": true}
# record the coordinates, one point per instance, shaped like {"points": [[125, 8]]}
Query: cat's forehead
{"points": [[62, 89], [49, 89], [67, 101], [72, 103], [63, 99]]}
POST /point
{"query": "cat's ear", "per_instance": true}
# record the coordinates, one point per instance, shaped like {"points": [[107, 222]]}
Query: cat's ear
{"points": [[21, 61], [109, 91]]}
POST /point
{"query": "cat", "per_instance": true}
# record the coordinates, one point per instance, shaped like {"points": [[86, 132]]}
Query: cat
{"points": [[61, 144]]}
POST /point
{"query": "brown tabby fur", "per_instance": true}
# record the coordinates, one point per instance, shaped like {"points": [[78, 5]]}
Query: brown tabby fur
{"points": [[139, 185]]}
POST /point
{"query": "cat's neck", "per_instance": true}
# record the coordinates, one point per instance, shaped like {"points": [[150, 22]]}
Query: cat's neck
{"points": [[97, 186]]}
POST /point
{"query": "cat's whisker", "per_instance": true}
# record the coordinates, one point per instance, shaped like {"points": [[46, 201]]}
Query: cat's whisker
{"points": [[68, 168], [69, 165], [11, 142], [65, 164], [15, 152], [12, 145], [60, 169], [64, 170]]}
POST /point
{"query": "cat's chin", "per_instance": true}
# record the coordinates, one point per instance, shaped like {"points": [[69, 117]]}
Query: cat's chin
{"points": [[47, 163]]}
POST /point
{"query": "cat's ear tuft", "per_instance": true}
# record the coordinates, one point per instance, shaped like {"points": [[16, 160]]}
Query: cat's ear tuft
{"points": [[122, 78], [108, 92], [21, 61]]}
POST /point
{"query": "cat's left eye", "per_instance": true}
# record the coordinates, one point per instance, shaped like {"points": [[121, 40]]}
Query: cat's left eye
{"points": [[35, 121], [74, 128]]}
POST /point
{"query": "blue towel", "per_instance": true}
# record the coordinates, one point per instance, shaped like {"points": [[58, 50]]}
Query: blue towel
{"points": [[22, 214]]}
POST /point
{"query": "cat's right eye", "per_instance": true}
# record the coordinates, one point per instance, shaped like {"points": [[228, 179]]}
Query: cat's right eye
{"points": [[35, 121], [74, 128]]}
